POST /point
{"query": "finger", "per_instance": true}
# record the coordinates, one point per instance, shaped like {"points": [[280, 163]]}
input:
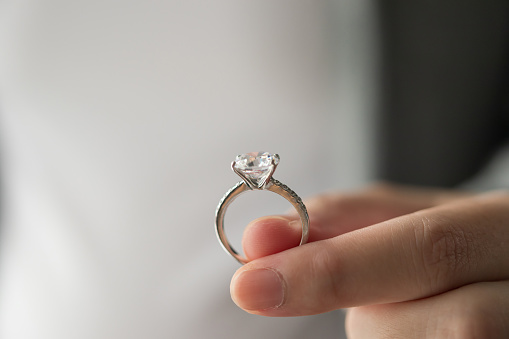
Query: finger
{"points": [[270, 235], [479, 310], [410, 257], [335, 214]]}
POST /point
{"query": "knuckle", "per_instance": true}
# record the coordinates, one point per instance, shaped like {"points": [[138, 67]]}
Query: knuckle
{"points": [[325, 267], [446, 249]]}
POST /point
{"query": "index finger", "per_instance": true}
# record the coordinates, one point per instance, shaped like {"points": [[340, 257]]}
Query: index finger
{"points": [[406, 258], [334, 214]]}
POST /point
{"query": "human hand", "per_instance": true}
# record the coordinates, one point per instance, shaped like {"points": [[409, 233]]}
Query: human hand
{"points": [[431, 264]]}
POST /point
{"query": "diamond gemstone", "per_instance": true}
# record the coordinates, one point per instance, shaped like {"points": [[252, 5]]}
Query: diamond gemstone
{"points": [[256, 166]]}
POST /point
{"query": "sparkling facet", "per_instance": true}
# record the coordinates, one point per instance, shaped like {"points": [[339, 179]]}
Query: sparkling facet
{"points": [[256, 166]]}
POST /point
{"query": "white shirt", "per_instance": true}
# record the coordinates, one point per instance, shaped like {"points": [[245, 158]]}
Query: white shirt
{"points": [[119, 120]]}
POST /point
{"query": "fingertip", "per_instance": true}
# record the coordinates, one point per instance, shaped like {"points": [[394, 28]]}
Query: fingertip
{"points": [[269, 235], [257, 290]]}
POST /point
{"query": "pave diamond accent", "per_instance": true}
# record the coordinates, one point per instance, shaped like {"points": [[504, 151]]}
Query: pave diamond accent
{"points": [[256, 167]]}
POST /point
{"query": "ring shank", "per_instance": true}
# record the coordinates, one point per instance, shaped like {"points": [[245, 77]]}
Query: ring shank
{"points": [[273, 186]]}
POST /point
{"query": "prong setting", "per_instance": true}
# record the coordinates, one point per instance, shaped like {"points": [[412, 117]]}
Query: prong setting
{"points": [[267, 181], [248, 182], [256, 168]]}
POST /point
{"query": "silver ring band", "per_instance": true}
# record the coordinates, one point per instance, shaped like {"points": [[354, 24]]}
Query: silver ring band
{"points": [[269, 184]]}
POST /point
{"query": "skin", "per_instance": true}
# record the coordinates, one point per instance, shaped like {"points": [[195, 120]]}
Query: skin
{"points": [[407, 262]]}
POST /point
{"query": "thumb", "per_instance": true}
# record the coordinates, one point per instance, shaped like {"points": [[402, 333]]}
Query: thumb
{"points": [[406, 258]]}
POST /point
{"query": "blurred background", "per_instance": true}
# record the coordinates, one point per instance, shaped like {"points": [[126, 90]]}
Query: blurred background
{"points": [[120, 120]]}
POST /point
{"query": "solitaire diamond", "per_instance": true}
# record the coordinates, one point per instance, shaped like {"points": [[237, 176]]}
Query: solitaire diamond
{"points": [[257, 167]]}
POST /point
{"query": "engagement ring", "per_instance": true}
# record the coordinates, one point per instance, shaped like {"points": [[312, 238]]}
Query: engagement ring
{"points": [[256, 169]]}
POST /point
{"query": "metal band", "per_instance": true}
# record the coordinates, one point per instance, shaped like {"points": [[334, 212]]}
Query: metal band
{"points": [[274, 186]]}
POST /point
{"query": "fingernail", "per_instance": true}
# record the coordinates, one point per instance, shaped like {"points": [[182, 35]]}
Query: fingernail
{"points": [[258, 289]]}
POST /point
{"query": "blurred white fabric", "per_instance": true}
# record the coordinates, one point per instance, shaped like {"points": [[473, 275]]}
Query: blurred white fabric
{"points": [[119, 120]]}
